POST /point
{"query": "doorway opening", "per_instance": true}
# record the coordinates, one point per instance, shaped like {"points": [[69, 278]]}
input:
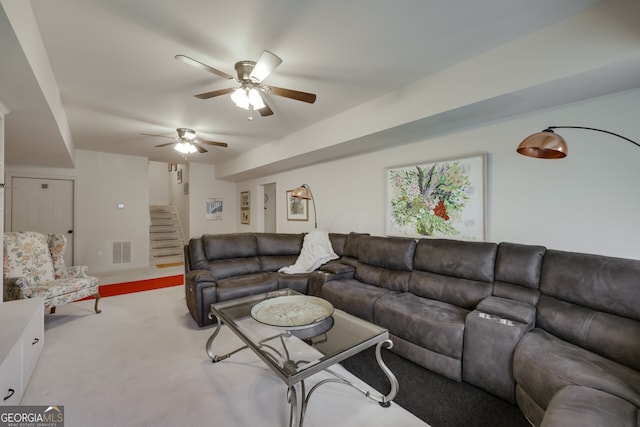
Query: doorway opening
{"points": [[269, 207]]}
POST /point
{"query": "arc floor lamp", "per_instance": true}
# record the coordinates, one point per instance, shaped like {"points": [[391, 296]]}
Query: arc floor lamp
{"points": [[549, 145], [304, 192]]}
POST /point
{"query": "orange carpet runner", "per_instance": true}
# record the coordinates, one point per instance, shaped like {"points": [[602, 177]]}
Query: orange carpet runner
{"points": [[139, 286]]}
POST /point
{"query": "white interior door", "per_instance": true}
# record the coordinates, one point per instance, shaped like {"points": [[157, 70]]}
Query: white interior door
{"points": [[270, 208], [45, 206]]}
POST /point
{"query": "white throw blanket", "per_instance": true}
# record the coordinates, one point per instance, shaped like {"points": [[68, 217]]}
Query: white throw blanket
{"points": [[316, 250]]}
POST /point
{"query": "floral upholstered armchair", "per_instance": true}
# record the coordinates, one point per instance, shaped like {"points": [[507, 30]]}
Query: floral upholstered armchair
{"points": [[34, 267]]}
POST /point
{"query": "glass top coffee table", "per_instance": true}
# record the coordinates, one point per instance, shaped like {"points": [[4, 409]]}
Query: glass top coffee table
{"points": [[295, 351]]}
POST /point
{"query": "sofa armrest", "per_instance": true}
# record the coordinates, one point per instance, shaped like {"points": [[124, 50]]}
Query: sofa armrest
{"points": [[508, 310], [16, 288], [492, 332], [336, 268], [200, 276], [318, 278]]}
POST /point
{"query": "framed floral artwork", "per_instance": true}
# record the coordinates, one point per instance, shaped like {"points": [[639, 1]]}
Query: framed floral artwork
{"points": [[440, 199], [297, 209]]}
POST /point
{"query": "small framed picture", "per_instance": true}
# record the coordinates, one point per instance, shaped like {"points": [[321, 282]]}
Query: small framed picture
{"points": [[297, 209], [245, 216], [244, 199], [214, 209]]}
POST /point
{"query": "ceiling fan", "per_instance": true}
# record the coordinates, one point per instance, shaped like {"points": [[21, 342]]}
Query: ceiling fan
{"points": [[250, 75], [187, 141]]}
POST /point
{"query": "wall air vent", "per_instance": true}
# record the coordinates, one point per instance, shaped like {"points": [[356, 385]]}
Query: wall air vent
{"points": [[122, 252]]}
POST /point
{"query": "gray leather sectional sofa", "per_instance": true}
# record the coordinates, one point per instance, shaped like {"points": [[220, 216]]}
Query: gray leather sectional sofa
{"points": [[225, 266], [556, 332]]}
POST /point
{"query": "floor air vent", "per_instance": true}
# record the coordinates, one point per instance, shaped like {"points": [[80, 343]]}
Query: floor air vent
{"points": [[122, 252]]}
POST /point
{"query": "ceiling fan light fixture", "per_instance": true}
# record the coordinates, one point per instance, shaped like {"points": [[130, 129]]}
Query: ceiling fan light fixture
{"points": [[185, 148], [246, 98], [255, 99], [240, 98], [185, 133]]}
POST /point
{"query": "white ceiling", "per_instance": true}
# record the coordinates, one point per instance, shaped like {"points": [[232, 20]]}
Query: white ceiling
{"points": [[114, 64]]}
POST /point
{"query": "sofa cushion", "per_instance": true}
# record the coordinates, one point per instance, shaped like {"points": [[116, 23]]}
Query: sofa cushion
{"points": [[605, 334], [338, 240], [456, 272], [517, 274], [352, 296], [543, 364], [394, 253], [393, 280], [575, 406], [242, 286], [601, 283], [456, 258], [224, 255], [225, 268], [431, 324], [519, 264], [228, 246], [297, 282], [278, 243], [385, 262], [452, 290], [351, 244]]}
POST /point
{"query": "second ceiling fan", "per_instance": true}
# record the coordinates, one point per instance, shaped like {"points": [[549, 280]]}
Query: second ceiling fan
{"points": [[187, 141], [250, 76]]}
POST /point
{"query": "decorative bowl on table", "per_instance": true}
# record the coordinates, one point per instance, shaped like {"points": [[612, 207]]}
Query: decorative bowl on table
{"points": [[292, 312]]}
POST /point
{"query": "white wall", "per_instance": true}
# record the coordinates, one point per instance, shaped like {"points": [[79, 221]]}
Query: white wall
{"points": [[158, 183], [177, 196], [203, 185], [587, 202], [104, 180]]}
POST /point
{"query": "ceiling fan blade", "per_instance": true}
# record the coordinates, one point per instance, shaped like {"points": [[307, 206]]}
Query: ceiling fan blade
{"points": [[164, 145], [199, 147], [293, 94], [215, 93], [159, 136], [202, 66], [265, 66], [219, 144], [265, 111]]}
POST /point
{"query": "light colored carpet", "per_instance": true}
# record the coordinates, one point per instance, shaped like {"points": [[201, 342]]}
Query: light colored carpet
{"points": [[142, 362]]}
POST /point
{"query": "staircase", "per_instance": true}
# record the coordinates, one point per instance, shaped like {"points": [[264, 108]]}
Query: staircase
{"points": [[165, 235]]}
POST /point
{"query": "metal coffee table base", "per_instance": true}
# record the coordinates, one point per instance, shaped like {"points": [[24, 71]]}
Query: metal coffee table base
{"points": [[296, 417], [383, 400]]}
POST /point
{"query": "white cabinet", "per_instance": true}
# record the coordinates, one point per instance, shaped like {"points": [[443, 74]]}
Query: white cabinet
{"points": [[21, 342]]}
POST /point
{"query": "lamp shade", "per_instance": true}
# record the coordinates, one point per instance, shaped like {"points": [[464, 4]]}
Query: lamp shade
{"points": [[302, 192], [544, 145]]}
